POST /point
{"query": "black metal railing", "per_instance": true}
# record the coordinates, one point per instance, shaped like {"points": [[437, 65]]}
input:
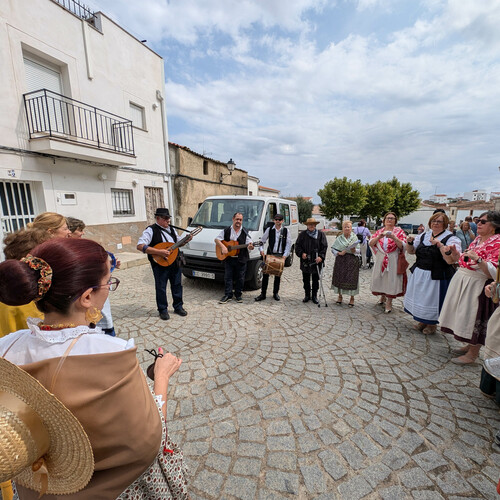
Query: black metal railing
{"points": [[77, 8], [54, 115]]}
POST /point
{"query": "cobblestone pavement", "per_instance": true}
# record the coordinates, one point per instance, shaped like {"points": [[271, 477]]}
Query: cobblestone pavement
{"points": [[284, 399]]}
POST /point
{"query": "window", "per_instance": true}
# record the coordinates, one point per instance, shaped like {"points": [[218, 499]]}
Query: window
{"points": [[122, 201], [205, 167], [285, 211], [137, 116], [271, 212]]}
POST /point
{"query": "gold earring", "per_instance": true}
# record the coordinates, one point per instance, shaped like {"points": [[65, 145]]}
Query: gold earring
{"points": [[92, 316]]}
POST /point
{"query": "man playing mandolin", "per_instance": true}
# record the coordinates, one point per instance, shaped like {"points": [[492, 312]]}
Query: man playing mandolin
{"points": [[234, 267], [160, 232], [280, 244]]}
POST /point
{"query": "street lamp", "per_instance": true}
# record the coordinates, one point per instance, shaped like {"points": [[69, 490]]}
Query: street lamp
{"points": [[230, 166]]}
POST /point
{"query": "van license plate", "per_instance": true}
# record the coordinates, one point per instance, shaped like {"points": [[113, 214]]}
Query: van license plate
{"points": [[202, 274]]}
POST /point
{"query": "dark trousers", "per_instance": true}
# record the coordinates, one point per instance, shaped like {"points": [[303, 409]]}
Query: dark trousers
{"points": [[265, 284], [234, 270], [162, 276], [306, 279]]}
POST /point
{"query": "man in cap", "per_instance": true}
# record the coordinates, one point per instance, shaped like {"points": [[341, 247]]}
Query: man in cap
{"points": [[234, 267], [311, 247], [280, 244], [152, 235]]}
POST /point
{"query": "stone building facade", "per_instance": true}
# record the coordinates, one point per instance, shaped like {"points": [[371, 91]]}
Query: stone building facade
{"points": [[196, 177]]}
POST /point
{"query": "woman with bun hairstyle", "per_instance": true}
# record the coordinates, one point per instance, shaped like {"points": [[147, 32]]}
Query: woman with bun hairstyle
{"points": [[387, 243], [97, 377]]}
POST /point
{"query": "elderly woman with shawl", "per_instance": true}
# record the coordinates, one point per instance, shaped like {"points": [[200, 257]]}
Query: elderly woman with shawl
{"points": [[387, 244], [466, 309], [345, 279]]}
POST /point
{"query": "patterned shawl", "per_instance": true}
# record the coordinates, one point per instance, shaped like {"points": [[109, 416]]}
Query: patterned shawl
{"points": [[488, 251], [391, 244], [342, 243]]}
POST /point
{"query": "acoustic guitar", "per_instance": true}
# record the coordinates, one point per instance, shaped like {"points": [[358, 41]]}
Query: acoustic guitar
{"points": [[233, 248], [174, 249]]}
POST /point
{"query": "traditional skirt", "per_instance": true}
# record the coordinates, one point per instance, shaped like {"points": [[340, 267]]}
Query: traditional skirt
{"points": [[490, 385], [389, 282], [345, 279], [466, 310]]}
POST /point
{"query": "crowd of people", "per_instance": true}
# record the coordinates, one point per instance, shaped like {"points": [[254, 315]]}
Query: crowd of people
{"points": [[52, 326]]}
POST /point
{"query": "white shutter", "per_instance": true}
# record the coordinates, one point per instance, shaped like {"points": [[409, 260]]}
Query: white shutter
{"points": [[39, 77], [137, 115]]}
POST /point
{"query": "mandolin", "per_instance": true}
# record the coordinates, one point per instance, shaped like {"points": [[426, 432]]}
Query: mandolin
{"points": [[174, 249], [233, 248]]}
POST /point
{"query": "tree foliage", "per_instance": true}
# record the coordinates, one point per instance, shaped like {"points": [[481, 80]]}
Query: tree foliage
{"points": [[406, 199], [342, 197], [304, 208], [380, 197]]}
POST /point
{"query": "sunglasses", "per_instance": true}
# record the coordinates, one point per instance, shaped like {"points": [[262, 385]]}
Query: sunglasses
{"points": [[482, 221]]}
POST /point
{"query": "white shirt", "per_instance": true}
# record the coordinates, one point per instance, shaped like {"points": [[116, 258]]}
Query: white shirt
{"points": [[288, 244], [34, 345], [234, 235], [147, 235]]}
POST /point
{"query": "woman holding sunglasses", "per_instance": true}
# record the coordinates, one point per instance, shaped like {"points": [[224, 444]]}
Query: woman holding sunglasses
{"points": [[466, 310], [97, 377]]}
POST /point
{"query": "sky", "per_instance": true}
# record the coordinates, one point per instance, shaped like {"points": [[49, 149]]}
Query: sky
{"points": [[298, 92]]}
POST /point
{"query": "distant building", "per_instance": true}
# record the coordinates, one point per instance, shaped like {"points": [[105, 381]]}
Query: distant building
{"points": [[253, 185], [267, 191], [477, 195], [439, 198], [196, 177]]}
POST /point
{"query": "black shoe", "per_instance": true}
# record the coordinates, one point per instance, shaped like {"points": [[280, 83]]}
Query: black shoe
{"points": [[239, 299], [276, 296], [260, 297], [225, 299], [164, 315], [181, 311], [306, 298], [315, 300]]}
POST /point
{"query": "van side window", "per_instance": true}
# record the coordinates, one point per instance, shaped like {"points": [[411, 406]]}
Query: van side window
{"points": [[285, 211], [271, 212]]}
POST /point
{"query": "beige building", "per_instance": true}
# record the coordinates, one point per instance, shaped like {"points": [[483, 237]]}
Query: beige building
{"points": [[82, 127], [267, 191], [196, 177]]}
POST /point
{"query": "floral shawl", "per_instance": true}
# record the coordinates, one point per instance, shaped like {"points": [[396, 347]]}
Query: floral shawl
{"points": [[342, 243], [391, 244], [488, 251]]}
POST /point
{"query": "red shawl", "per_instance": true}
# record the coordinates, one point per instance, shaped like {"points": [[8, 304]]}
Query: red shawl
{"points": [[391, 244]]}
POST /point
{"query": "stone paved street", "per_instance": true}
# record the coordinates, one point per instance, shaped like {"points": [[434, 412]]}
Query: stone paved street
{"points": [[284, 399]]}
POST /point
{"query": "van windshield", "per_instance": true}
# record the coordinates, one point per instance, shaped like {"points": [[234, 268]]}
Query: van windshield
{"points": [[218, 214]]}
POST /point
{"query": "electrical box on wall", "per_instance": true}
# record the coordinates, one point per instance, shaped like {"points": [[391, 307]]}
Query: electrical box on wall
{"points": [[66, 198]]}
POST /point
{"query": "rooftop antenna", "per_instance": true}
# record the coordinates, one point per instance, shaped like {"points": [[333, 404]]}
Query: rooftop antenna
{"points": [[205, 153]]}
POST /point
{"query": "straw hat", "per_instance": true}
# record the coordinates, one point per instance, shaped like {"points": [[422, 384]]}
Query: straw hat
{"points": [[312, 220], [37, 430]]}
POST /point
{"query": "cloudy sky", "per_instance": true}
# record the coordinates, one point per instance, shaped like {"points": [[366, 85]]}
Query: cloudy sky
{"points": [[298, 92]]}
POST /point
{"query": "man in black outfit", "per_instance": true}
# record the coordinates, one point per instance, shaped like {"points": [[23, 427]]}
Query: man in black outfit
{"points": [[234, 267], [152, 235], [280, 244], [311, 247]]}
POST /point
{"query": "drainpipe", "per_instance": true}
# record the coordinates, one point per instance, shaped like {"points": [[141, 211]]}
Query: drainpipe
{"points": [[160, 97]]}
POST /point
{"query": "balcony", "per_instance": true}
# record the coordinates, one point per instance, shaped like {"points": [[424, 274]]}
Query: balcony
{"points": [[63, 126]]}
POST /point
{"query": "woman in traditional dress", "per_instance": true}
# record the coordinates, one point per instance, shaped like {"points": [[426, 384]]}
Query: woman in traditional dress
{"points": [[387, 243], [431, 274], [465, 235], [47, 225], [345, 279], [97, 377], [466, 309]]}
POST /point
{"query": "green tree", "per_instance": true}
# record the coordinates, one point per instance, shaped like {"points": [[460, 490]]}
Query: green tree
{"points": [[406, 199], [304, 208], [342, 197], [380, 197]]}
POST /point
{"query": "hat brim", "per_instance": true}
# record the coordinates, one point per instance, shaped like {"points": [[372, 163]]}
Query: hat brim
{"points": [[69, 460]]}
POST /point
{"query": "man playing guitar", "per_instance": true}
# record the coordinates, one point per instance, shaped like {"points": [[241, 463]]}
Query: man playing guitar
{"points": [[234, 267], [280, 244], [152, 235]]}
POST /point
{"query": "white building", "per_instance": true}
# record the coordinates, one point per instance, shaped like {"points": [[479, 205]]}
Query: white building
{"points": [[439, 198], [82, 128], [267, 191], [253, 185], [477, 195]]}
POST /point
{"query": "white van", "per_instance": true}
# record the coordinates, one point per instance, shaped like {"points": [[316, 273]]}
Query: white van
{"points": [[216, 213]]}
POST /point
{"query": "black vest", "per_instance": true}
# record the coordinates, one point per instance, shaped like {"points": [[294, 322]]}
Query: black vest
{"points": [[272, 241], [242, 238], [429, 258], [157, 238]]}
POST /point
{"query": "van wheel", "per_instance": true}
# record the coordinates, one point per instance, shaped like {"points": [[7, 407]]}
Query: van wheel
{"points": [[255, 281], [289, 259]]}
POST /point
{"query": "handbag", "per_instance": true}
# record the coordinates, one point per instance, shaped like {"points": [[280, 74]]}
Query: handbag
{"points": [[402, 263]]}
